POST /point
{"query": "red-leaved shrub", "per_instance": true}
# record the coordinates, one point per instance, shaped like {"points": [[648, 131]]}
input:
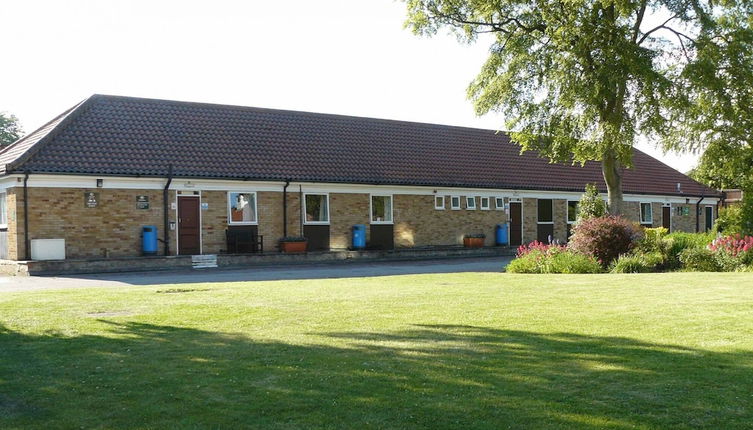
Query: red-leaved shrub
{"points": [[732, 245], [536, 246], [605, 238]]}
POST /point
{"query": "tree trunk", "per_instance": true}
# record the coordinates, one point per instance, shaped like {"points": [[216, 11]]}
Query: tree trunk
{"points": [[612, 171]]}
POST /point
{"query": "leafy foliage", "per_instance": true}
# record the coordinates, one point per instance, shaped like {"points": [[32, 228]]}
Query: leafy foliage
{"points": [[553, 259], [605, 238], [579, 80], [680, 241], [729, 220], [591, 205], [10, 129], [699, 260], [640, 262]]}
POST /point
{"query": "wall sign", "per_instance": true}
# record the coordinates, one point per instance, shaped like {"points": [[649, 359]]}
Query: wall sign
{"points": [[142, 202], [204, 206], [91, 200]]}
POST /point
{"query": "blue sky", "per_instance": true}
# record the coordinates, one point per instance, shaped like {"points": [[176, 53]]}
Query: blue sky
{"points": [[348, 57]]}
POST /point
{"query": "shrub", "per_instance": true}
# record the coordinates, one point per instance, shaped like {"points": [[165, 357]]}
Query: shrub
{"points": [[730, 220], [699, 260], [637, 263], [535, 246], [680, 241], [591, 205], [475, 236], [552, 259], [605, 238]]}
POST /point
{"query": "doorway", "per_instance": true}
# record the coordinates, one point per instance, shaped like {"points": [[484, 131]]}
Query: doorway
{"points": [[189, 225], [666, 222], [516, 223], [709, 217]]}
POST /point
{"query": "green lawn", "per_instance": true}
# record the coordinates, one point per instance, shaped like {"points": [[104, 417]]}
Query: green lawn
{"points": [[426, 351]]}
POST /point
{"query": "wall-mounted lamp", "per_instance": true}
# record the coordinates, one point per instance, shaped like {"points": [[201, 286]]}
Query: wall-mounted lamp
{"points": [[100, 183], [687, 201]]}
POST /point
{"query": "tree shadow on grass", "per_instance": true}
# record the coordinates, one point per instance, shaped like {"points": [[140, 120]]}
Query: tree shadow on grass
{"points": [[432, 376]]}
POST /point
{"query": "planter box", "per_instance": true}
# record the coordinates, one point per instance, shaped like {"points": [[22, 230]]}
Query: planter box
{"points": [[473, 242], [293, 247]]}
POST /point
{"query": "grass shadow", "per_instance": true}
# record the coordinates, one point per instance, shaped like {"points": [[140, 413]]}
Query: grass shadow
{"points": [[137, 375]]}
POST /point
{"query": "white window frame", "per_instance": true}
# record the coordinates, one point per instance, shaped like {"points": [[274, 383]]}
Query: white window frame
{"points": [[488, 203], [4, 210], [470, 199], [452, 203], [307, 222], [392, 209], [499, 207], [437, 207], [567, 212], [256, 211], [640, 213], [537, 213]]}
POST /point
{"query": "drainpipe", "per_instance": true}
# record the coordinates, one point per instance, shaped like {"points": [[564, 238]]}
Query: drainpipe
{"points": [[285, 208], [165, 194], [698, 213], [300, 206], [27, 245]]}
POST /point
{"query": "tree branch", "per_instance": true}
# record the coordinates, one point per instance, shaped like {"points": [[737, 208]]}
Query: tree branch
{"points": [[657, 28]]}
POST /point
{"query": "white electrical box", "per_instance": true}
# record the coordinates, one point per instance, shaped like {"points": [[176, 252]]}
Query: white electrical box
{"points": [[48, 249]]}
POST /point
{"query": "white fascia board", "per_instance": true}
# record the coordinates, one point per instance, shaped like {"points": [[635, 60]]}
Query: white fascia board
{"points": [[88, 182]]}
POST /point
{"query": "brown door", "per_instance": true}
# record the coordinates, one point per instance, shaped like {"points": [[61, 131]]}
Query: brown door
{"points": [[666, 212], [516, 224], [189, 228]]}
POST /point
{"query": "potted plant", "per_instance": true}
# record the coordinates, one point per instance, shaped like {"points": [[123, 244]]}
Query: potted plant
{"points": [[293, 244], [474, 240]]}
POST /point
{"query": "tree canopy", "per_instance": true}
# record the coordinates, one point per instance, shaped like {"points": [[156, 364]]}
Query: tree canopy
{"points": [[580, 80], [10, 129]]}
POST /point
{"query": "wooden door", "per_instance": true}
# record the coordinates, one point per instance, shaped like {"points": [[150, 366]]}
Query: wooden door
{"points": [[709, 217], [516, 224], [666, 213], [189, 226], [317, 236]]}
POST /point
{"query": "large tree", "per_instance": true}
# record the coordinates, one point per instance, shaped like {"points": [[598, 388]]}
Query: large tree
{"points": [[10, 129], [580, 80]]}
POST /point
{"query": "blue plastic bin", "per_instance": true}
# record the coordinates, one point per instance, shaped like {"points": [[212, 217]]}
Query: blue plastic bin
{"points": [[359, 236], [500, 235], [149, 240]]}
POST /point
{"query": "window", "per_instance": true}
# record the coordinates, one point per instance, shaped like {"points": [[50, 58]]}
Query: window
{"points": [[484, 203], [499, 203], [647, 217], [381, 209], [455, 202], [545, 211], [241, 208], [470, 203], [316, 207], [3, 211], [438, 202], [572, 211]]}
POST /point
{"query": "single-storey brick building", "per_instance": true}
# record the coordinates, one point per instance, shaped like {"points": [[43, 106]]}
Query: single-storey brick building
{"points": [[95, 175]]}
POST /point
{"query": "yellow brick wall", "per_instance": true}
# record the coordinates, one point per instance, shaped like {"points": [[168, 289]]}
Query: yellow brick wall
{"points": [[346, 210], [417, 223]]}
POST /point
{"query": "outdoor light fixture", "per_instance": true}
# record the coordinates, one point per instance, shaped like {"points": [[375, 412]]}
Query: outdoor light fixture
{"points": [[100, 183]]}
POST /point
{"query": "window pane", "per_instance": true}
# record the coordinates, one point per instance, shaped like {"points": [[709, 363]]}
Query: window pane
{"points": [[3, 210], [439, 202], [646, 214], [381, 208], [470, 202], [242, 207], [572, 211], [484, 202], [499, 203], [455, 202], [316, 208], [545, 210]]}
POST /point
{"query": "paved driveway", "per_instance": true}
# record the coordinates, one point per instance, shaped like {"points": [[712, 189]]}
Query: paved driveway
{"points": [[266, 273]]}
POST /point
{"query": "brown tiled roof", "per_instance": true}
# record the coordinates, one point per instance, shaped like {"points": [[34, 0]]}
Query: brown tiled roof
{"points": [[125, 136]]}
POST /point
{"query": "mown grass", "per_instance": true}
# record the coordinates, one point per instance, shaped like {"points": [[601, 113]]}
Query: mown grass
{"points": [[468, 350]]}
